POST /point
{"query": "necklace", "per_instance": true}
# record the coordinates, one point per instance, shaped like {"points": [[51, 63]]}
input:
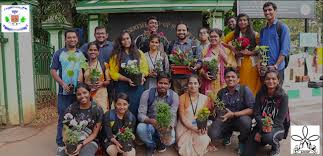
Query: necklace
{"points": [[197, 103]]}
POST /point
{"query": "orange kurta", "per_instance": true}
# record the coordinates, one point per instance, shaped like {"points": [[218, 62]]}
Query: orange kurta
{"points": [[249, 75]]}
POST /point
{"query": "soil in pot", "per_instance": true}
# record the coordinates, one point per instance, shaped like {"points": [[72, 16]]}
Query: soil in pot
{"points": [[71, 86], [220, 113], [201, 124], [213, 74], [70, 148], [126, 146], [165, 135], [136, 78]]}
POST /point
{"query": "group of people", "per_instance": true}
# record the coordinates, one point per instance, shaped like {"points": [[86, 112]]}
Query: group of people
{"points": [[105, 97]]}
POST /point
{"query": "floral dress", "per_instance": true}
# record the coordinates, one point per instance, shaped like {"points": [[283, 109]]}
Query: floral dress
{"points": [[213, 86]]}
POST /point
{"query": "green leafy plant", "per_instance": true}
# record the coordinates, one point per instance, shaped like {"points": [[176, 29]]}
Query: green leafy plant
{"points": [[125, 134], [263, 50], [164, 115], [181, 58], [71, 136], [95, 75], [211, 65], [203, 114], [219, 104], [131, 67]]}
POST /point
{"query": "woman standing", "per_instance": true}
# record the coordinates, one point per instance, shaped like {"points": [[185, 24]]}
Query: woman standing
{"points": [[113, 121], [247, 58], [190, 140], [125, 52], [88, 115], [271, 101], [157, 61], [216, 51], [96, 78]]}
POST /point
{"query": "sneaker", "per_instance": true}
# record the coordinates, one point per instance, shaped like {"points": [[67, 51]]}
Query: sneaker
{"points": [[275, 151], [60, 151], [227, 141], [241, 148], [161, 148], [149, 152]]}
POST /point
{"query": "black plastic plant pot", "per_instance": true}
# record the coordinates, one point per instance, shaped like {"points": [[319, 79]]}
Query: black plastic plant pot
{"points": [[220, 113], [70, 148], [71, 86], [126, 145], [136, 78], [201, 124], [165, 135], [213, 74]]}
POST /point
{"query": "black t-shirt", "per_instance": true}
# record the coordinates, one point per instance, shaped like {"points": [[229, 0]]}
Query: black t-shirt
{"points": [[84, 119]]}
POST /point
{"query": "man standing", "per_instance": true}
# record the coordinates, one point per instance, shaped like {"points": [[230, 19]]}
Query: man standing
{"points": [[239, 102], [231, 25], [184, 44], [62, 63], [106, 47], [142, 41], [147, 129], [275, 35]]}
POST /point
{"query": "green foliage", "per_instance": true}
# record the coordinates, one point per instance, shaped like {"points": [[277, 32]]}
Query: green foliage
{"points": [[164, 115], [219, 104], [125, 134], [262, 50], [95, 75], [180, 58], [131, 67], [203, 114], [258, 24], [7, 19], [212, 65], [71, 136], [23, 19]]}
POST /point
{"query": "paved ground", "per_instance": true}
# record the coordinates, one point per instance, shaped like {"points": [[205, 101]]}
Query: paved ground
{"points": [[41, 142]]}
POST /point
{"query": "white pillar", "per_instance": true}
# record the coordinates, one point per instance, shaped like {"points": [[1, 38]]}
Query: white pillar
{"points": [[217, 21], [93, 22]]}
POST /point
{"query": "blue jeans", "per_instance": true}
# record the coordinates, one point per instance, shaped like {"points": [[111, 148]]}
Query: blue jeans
{"points": [[63, 101], [148, 134]]}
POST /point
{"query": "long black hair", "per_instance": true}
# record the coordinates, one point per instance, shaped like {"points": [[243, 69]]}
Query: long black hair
{"points": [[264, 90], [119, 50], [249, 33]]}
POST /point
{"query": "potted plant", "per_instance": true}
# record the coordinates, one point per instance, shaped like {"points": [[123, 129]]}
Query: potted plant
{"points": [[181, 62], [219, 109], [202, 117], [74, 60], [262, 51], [164, 118], [211, 66], [95, 76], [267, 122], [125, 138], [133, 71], [71, 139], [72, 132]]}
